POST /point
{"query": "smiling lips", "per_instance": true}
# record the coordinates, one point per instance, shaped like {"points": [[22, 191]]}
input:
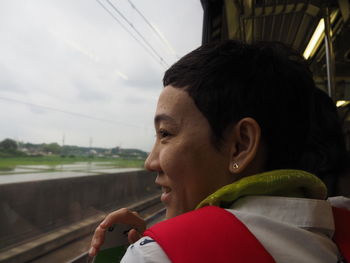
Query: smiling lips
{"points": [[165, 197]]}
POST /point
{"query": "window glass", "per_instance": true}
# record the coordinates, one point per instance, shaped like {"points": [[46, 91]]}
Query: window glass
{"points": [[79, 82]]}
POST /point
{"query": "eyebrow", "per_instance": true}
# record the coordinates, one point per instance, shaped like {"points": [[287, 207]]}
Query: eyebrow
{"points": [[163, 117]]}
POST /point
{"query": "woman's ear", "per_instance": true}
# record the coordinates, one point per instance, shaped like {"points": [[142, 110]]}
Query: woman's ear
{"points": [[245, 143]]}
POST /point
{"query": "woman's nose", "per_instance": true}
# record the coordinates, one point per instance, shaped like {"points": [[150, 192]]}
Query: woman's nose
{"points": [[152, 161]]}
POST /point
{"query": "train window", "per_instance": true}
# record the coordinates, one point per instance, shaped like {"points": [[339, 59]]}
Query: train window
{"points": [[79, 81]]}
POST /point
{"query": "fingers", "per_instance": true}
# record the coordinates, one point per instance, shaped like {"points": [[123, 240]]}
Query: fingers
{"points": [[133, 236], [97, 240], [123, 216], [92, 252]]}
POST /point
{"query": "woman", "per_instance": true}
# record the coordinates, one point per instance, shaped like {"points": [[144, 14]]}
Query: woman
{"points": [[229, 118]]}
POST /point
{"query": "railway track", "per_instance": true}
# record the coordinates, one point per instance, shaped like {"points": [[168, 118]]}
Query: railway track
{"points": [[69, 244]]}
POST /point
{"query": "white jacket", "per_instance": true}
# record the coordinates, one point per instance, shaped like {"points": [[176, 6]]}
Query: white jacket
{"points": [[291, 229]]}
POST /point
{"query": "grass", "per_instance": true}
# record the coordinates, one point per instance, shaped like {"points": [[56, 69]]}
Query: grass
{"points": [[10, 163]]}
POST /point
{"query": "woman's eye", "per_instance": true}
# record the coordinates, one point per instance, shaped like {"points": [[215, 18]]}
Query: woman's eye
{"points": [[163, 133]]}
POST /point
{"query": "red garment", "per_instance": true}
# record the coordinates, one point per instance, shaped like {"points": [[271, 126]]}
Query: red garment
{"points": [[210, 234], [342, 231]]}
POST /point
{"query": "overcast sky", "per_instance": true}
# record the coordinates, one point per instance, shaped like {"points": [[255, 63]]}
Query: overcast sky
{"points": [[68, 69]]}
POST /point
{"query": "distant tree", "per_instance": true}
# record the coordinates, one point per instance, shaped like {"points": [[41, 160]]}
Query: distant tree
{"points": [[8, 145], [115, 150], [52, 147]]}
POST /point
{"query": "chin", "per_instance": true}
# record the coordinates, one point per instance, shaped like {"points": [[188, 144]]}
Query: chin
{"points": [[170, 213]]}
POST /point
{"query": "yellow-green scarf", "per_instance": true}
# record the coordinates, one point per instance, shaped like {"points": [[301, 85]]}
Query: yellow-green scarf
{"points": [[288, 183]]}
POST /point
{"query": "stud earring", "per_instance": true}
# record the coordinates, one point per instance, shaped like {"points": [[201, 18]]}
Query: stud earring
{"points": [[235, 166]]}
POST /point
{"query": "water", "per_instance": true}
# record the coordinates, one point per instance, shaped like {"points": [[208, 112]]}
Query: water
{"points": [[28, 173]]}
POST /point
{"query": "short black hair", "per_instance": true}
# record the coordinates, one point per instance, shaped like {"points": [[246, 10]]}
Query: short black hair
{"points": [[269, 82], [326, 153]]}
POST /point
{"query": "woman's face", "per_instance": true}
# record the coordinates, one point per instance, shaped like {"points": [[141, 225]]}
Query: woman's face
{"points": [[189, 167]]}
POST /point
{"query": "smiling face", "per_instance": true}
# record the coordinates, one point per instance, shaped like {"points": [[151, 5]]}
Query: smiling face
{"points": [[189, 167]]}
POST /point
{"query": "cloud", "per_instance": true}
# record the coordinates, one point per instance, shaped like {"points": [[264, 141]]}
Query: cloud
{"points": [[8, 82], [72, 56], [37, 110], [121, 74], [88, 90], [75, 45]]}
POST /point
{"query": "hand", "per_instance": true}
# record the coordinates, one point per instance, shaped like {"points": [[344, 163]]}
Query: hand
{"points": [[123, 216]]}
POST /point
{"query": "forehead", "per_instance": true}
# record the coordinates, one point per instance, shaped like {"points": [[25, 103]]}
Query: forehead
{"points": [[173, 99], [177, 104]]}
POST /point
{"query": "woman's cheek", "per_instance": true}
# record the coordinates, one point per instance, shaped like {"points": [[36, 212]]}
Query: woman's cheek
{"points": [[173, 161]]}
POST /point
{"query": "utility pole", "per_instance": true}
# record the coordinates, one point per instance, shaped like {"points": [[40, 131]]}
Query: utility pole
{"points": [[63, 139], [90, 142]]}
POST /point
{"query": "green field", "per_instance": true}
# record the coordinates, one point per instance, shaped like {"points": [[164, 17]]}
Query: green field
{"points": [[10, 163]]}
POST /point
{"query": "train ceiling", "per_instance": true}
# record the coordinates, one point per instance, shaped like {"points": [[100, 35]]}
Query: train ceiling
{"points": [[289, 21]]}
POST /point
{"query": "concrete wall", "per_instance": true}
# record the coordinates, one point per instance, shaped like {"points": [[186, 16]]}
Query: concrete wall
{"points": [[30, 209]]}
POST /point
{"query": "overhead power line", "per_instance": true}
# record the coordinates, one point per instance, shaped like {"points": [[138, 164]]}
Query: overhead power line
{"points": [[154, 29], [129, 32], [162, 60], [69, 112]]}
